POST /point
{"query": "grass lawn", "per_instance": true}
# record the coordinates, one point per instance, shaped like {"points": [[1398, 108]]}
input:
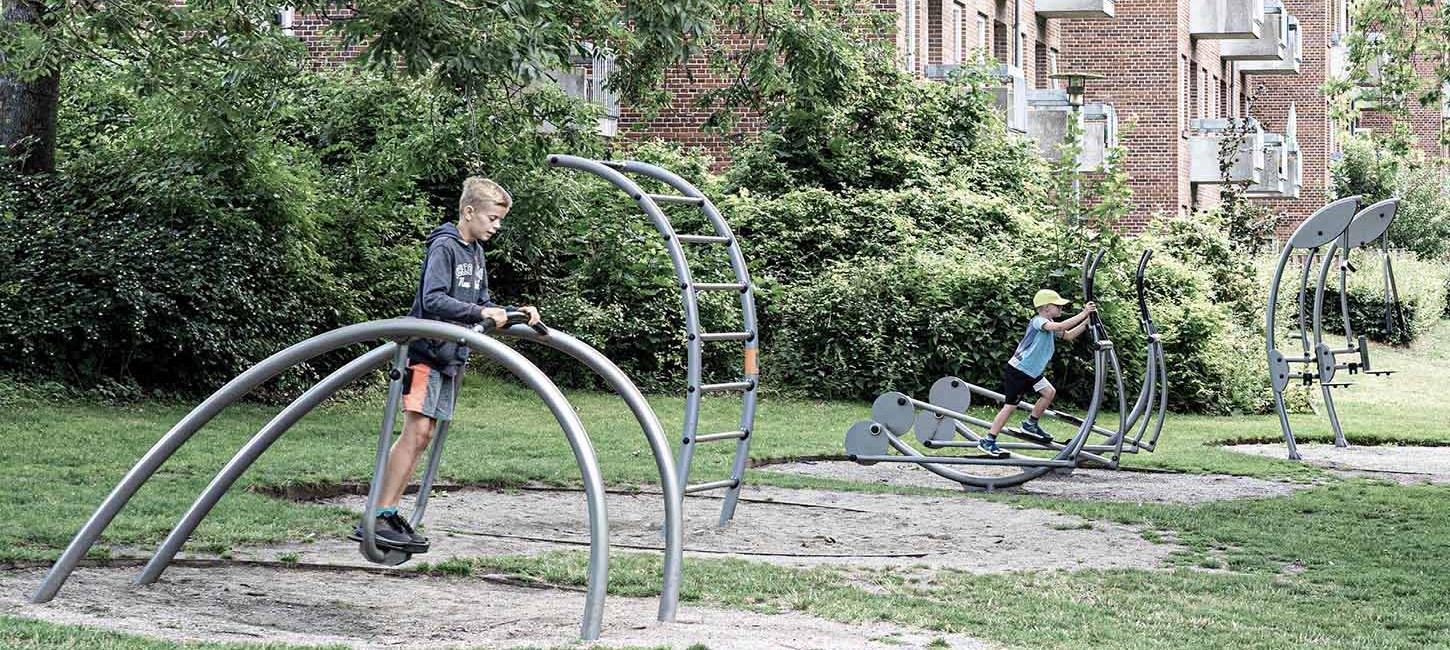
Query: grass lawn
{"points": [[1351, 564]]}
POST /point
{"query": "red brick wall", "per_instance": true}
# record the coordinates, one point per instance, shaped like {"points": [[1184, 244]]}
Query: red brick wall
{"points": [[1276, 93], [1139, 52]]}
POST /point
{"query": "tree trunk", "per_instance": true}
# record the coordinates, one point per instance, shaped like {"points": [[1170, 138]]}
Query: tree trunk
{"points": [[28, 108]]}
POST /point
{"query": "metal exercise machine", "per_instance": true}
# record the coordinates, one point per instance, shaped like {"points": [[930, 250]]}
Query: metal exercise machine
{"points": [[397, 332], [1332, 233], [688, 196], [943, 417]]}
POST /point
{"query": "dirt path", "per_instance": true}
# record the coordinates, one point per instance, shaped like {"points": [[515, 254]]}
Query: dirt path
{"points": [[310, 607], [787, 527], [1145, 487], [781, 526], [1403, 464]]}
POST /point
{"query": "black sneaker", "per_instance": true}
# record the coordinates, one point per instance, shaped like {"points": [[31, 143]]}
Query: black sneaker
{"points": [[1033, 430], [388, 536], [419, 542]]}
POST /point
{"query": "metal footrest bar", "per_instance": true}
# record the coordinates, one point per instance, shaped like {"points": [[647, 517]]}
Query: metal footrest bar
{"points": [[725, 435], [726, 336], [734, 385], [670, 199], [713, 485], [720, 286], [703, 239], [962, 460]]}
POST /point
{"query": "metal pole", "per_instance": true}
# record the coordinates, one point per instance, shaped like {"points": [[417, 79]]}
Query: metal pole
{"points": [[1326, 374], [252, 451], [369, 543]]}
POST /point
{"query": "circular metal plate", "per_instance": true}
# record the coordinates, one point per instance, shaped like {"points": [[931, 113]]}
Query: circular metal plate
{"points": [[392, 557], [951, 393], [894, 412], [932, 427], [866, 438]]}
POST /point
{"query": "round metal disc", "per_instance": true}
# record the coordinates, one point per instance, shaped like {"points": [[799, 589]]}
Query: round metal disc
{"points": [[866, 438], [393, 557], [951, 393], [932, 427], [894, 411]]}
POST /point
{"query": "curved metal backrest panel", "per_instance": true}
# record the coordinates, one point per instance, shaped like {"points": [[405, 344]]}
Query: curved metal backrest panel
{"points": [[1371, 223], [1326, 224]]}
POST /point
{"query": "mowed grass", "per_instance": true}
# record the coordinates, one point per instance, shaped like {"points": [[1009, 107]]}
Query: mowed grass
{"points": [[1345, 565]]}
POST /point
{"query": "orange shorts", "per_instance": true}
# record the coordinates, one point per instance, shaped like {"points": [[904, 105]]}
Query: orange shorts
{"points": [[429, 393]]}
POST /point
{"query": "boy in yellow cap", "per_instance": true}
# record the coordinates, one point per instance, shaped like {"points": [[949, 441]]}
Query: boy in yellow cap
{"points": [[1024, 370]]}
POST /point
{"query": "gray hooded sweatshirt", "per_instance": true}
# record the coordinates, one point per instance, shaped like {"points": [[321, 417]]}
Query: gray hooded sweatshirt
{"points": [[453, 286]]}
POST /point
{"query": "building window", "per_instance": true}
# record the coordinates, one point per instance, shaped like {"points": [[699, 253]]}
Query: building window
{"points": [[1183, 90], [959, 33], [1052, 55], [1001, 42], [982, 32], [909, 9]]}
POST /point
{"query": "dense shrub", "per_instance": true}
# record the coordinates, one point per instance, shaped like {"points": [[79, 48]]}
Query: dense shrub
{"points": [[1421, 288]]}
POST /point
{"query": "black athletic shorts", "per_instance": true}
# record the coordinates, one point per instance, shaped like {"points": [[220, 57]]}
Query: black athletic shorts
{"points": [[1016, 383]]}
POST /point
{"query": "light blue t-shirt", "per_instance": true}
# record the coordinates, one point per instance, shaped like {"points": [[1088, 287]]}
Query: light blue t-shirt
{"points": [[1036, 348]]}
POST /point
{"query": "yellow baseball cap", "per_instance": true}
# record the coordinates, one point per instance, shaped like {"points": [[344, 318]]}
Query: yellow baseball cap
{"points": [[1048, 297]]}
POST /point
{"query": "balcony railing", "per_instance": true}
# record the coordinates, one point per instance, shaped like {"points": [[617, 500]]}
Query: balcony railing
{"points": [[1075, 9], [1048, 113], [1272, 43], [1226, 19], [1010, 97], [1288, 64], [1206, 142], [587, 80]]}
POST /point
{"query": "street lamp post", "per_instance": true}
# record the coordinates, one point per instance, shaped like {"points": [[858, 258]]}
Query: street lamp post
{"points": [[1076, 97]]}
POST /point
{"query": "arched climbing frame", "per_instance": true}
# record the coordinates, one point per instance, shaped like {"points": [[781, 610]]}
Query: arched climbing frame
{"points": [[688, 196]]}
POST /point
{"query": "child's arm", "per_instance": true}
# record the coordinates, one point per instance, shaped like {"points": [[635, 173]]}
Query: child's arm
{"points": [[437, 278], [1075, 321], [1075, 332]]}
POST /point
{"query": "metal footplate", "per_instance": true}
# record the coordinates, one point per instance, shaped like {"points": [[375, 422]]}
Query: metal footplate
{"points": [[684, 196]]}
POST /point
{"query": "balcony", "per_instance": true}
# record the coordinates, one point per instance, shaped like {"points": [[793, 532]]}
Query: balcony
{"points": [[1276, 169], [1047, 119], [1226, 19], [1207, 139], [1075, 9], [940, 71], [1289, 63], [1374, 66], [1272, 43], [1338, 59], [1010, 97], [586, 80]]}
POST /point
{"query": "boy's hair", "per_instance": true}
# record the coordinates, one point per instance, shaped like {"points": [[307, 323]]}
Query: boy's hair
{"points": [[481, 192]]}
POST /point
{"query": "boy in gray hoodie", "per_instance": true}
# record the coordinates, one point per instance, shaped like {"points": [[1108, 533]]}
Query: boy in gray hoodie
{"points": [[453, 288]]}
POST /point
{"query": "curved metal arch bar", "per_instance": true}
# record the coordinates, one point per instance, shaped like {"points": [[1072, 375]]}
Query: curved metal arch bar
{"points": [[394, 329], [654, 434], [589, 356], [747, 309], [1068, 453], [253, 450]]}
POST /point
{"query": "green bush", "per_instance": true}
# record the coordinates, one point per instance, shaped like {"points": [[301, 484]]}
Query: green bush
{"points": [[1421, 287]]}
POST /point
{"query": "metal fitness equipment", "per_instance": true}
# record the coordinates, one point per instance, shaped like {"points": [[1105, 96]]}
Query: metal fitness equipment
{"points": [[397, 332], [747, 335], [943, 417], [1337, 229]]}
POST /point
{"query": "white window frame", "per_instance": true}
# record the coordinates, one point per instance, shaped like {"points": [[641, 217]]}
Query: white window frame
{"points": [[909, 15], [959, 32], [983, 33]]}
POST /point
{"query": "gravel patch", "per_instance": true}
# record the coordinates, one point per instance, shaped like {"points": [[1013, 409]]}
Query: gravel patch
{"points": [[1402, 464]]}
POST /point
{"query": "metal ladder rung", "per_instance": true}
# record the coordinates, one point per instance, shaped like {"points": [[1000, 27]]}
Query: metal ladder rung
{"points": [[671, 199], [720, 286], [713, 485], [703, 239], [726, 336], [726, 435], [734, 385]]}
